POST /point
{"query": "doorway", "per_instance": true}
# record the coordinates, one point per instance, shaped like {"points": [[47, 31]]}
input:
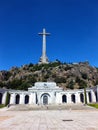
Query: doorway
{"points": [[45, 99]]}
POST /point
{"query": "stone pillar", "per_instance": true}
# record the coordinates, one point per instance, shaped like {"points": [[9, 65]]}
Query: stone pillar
{"points": [[87, 97], [52, 101], [69, 98], [93, 96], [12, 98], [49, 99], [32, 98], [77, 96], [38, 98], [22, 96], [44, 58], [4, 97], [58, 98]]}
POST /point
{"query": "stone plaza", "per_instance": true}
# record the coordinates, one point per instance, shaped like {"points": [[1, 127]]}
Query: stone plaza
{"points": [[85, 119]]}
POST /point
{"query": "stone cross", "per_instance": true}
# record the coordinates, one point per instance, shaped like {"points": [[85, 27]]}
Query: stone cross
{"points": [[44, 58]]}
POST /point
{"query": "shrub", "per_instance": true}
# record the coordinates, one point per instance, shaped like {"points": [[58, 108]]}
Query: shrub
{"points": [[67, 68], [84, 76], [46, 76], [14, 83], [2, 105], [60, 80], [2, 84], [71, 84], [96, 83], [30, 65], [81, 83]]}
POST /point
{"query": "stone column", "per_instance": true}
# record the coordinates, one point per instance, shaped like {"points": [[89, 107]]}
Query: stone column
{"points": [[60, 98], [12, 98], [52, 98], [44, 58], [32, 97], [57, 98], [93, 96], [4, 97], [21, 98], [87, 97], [49, 99], [38, 98], [69, 98], [77, 95]]}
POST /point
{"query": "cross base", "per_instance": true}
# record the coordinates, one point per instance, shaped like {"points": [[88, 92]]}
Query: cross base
{"points": [[43, 60]]}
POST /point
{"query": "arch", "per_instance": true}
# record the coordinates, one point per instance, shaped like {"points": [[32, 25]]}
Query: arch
{"points": [[45, 99], [45, 94], [17, 99], [81, 97], [64, 99], [90, 96], [26, 99], [73, 98], [1, 95]]}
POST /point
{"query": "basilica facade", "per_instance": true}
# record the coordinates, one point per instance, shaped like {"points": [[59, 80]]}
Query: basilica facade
{"points": [[47, 93]]}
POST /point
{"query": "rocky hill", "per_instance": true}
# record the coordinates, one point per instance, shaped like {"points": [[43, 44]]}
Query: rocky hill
{"points": [[68, 76]]}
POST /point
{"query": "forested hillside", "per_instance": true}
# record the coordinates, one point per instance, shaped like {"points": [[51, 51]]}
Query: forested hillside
{"points": [[68, 76]]}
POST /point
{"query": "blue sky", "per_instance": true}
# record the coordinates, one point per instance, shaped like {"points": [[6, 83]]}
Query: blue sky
{"points": [[73, 25]]}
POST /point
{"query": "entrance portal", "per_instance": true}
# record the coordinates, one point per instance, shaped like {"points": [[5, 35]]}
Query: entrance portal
{"points": [[45, 99]]}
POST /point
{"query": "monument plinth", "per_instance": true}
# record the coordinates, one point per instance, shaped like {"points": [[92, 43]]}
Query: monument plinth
{"points": [[44, 58]]}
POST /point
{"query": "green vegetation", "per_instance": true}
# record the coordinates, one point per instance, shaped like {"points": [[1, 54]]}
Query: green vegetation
{"points": [[22, 84], [2, 105], [81, 83], [97, 69], [2, 84], [70, 76], [94, 105], [71, 84], [60, 80], [84, 76], [7, 101], [44, 66], [67, 68], [96, 83]]}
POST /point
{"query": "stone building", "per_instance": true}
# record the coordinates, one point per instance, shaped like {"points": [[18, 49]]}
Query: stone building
{"points": [[43, 93]]}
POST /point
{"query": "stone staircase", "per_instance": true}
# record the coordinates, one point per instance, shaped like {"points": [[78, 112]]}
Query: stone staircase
{"points": [[49, 107]]}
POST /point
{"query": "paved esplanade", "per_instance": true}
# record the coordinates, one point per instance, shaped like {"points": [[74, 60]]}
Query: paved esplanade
{"points": [[49, 120], [44, 58]]}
